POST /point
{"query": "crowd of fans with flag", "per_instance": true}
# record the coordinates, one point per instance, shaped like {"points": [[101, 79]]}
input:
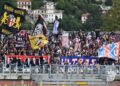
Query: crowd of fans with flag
{"points": [[79, 44]]}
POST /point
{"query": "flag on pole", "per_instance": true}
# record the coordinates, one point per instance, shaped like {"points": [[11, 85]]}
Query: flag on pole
{"points": [[110, 50], [107, 50], [101, 52], [38, 41], [56, 25], [65, 40], [40, 26], [11, 19]]}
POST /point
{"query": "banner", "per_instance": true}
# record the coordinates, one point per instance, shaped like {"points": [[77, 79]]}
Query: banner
{"points": [[55, 27], [38, 41], [11, 19], [74, 59], [21, 39], [65, 40], [110, 50], [23, 57]]}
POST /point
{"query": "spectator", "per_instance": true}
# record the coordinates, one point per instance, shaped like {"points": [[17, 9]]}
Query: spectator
{"points": [[80, 43]]}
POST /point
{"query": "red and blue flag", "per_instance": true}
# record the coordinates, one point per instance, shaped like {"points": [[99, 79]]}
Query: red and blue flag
{"points": [[111, 50]]}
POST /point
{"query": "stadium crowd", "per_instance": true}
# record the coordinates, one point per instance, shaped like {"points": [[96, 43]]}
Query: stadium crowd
{"points": [[80, 44]]}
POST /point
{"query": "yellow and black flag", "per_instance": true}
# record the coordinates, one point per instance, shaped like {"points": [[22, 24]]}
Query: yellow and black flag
{"points": [[38, 41], [11, 19]]}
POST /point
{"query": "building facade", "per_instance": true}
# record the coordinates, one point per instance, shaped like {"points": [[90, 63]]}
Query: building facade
{"points": [[24, 4], [84, 17], [48, 11], [105, 9]]}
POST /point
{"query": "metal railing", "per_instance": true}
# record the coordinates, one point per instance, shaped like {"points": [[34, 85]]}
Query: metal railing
{"points": [[59, 69], [68, 73]]}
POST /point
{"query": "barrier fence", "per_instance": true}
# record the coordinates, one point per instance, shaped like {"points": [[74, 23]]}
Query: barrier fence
{"points": [[59, 69], [68, 74]]}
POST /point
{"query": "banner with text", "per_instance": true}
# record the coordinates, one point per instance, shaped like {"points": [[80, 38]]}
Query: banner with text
{"points": [[74, 59], [23, 58]]}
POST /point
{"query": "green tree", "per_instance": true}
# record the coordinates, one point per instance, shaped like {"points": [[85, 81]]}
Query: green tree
{"points": [[112, 18], [53, 0], [69, 23], [27, 26], [61, 4], [96, 1], [108, 2], [73, 10], [36, 4], [95, 19], [2, 2]]}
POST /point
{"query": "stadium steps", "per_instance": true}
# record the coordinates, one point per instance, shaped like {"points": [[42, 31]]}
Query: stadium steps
{"points": [[74, 79]]}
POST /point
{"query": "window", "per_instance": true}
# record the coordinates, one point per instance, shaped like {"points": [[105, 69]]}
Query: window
{"points": [[26, 3], [29, 3], [29, 6], [18, 3], [46, 16]]}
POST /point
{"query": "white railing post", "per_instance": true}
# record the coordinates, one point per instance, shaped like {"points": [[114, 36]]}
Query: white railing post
{"points": [[3, 69], [30, 69], [16, 68], [10, 68], [49, 71], [23, 69], [57, 70], [119, 70], [43, 69]]}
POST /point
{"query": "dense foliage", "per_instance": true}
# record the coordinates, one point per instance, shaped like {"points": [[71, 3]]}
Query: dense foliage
{"points": [[73, 10], [36, 4], [111, 21]]}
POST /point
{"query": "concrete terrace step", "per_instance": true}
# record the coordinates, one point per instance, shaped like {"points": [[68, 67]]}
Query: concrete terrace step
{"points": [[80, 82]]}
